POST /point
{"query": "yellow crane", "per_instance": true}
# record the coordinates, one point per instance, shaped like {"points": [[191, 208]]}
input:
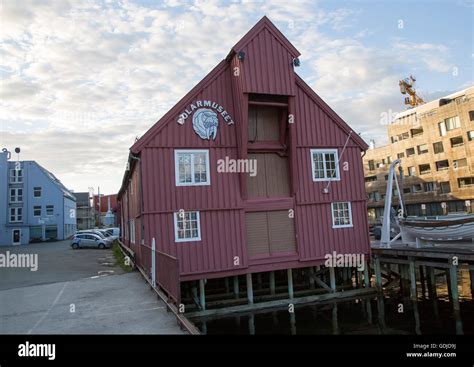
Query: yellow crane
{"points": [[407, 86]]}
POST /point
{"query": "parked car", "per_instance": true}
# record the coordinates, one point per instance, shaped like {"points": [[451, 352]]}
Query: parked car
{"points": [[115, 231], [89, 239], [108, 234]]}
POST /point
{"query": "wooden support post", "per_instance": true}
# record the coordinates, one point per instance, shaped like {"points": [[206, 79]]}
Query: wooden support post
{"points": [[202, 294], [471, 273], [272, 282], [448, 282], [332, 278], [259, 280], [422, 281], [431, 280], [293, 323], [226, 284], [416, 314], [236, 286], [290, 283], [453, 275], [378, 275], [251, 324], [412, 270], [311, 277], [249, 289], [335, 324], [366, 275]]}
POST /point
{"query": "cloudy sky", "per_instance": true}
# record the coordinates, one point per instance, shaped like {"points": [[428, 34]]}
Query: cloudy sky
{"points": [[81, 80]]}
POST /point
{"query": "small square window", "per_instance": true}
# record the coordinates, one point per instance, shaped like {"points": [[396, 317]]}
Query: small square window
{"points": [[187, 226], [325, 165], [37, 211], [341, 215], [49, 210], [37, 192]]}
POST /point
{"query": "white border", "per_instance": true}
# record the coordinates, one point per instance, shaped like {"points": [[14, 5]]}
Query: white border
{"points": [[192, 152], [350, 215], [194, 239], [336, 156]]}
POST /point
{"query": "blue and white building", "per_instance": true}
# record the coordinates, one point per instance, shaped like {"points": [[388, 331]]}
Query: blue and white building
{"points": [[34, 205]]}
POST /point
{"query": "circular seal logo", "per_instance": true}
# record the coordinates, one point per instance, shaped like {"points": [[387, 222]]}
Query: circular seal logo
{"points": [[205, 123]]}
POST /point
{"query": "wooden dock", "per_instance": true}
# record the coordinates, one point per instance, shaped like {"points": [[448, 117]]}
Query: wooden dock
{"points": [[410, 265]]}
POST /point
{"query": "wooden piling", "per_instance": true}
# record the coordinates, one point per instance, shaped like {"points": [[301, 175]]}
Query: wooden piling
{"points": [[202, 294], [453, 275], [251, 324], [236, 287], [272, 282], [422, 281], [378, 275], [332, 276], [290, 284], [366, 275], [311, 277], [471, 273], [249, 289], [412, 270]]}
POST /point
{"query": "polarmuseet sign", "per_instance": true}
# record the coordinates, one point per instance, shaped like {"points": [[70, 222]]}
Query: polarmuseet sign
{"points": [[205, 118]]}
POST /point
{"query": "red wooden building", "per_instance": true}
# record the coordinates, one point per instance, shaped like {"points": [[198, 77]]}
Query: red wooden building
{"points": [[305, 200]]}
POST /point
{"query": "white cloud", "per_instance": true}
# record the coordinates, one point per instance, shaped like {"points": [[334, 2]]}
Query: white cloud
{"points": [[80, 80]]}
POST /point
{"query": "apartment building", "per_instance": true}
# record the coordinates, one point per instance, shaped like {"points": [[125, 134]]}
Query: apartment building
{"points": [[34, 205], [435, 142]]}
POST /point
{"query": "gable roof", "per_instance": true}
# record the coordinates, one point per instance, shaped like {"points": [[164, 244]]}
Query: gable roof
{"points": [[262, 24], [333, 115]]}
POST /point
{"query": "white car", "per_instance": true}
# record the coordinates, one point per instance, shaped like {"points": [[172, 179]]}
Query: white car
{"points": [[89, 239]]}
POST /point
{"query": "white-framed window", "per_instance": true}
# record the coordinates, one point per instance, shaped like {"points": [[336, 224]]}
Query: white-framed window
{"points": [[324, 164], [16, 215], [49, 210], [16, 195], [132, 230], [192, 167], [187, 226], [341, 214], [37, 211], [37, 192], [16, 176]]}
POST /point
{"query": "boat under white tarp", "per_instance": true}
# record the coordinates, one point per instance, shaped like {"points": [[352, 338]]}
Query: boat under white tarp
{"points": [[441, 228]]}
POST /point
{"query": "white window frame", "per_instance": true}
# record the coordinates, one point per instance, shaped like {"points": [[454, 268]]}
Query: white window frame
{"points": [[132, 231], [15, 178], [323, 152], [192, 152], [193, 239], [16, 196], [18, 218], [350, 215], [52, 208], [41, 209]]}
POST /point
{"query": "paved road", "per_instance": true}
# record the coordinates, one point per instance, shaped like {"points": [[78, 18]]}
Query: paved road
{"points": [[117, 304], [57, 262], [71, 294]]}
